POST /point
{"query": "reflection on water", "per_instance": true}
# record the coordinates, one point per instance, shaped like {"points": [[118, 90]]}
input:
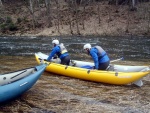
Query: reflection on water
{"points": [[131, 48]]}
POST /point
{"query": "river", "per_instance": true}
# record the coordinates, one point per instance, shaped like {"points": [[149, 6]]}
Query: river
{"points": [[59, 94]]}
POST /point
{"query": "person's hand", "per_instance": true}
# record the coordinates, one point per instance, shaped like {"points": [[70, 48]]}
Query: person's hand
{"points": [[55, 57], [93, 67], [47, 60]]}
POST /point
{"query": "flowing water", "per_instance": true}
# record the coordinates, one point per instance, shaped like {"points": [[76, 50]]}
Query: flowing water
{"points": [[59, 94], [131, 48]]}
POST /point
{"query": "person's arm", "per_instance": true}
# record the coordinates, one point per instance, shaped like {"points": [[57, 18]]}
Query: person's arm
{"points": [[53, 52], [95, 58]]}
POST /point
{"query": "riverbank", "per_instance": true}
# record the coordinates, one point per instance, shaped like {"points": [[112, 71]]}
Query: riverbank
{"points": [[109, 20]]}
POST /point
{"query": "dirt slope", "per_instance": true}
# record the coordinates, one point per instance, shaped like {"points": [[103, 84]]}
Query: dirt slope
{"points": [[114, 21]]}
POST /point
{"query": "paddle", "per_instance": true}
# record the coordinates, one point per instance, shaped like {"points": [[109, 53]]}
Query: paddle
{"points": [[117, 60], [86, 66]]}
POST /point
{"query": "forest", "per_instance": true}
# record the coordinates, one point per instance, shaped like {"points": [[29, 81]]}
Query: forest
{"points": [[75, 17]]}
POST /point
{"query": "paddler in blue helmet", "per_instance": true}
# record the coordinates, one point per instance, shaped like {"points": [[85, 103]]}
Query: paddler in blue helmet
{"points": [[99, 56], [60, 51]]}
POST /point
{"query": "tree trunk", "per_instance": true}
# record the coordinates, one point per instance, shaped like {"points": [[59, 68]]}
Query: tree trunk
{"points": [[117, 6], [127, 27], [99, 18], [38, 3], [76, 16], [32, 13], [58, 15], [148, 29], [70, 25], [47, 4], [83, 18], [31, 10], [1, 4], [133, 5]]}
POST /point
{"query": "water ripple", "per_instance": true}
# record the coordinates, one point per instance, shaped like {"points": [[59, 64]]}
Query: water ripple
{"points": [[131, 48]]}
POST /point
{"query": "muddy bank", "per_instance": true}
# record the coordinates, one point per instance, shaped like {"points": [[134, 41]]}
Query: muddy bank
{"points": [[56, 94]]}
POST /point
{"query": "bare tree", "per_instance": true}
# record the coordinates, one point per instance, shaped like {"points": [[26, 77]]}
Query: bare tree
{"points": [[133, 5], [117, 6], [70, 23], [1, 4], [38, 3], [83, 18], [128, 20], [58, 15], [32, 12], [76, 18], [30, 7], [148, 29], [47, 4], [84, 9], [99, 18]]}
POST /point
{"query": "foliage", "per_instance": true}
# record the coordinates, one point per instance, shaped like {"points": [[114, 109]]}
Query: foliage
{"points": [[3, 28], [8, 20], [12, 27], [1, 20], [8, 25]]}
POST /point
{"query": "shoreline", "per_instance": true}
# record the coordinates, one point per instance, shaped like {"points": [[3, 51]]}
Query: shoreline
{"points": [[68, 35]]}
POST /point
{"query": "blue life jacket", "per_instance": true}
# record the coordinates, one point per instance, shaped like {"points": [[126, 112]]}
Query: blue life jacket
{"points": [[98, 55], [60, 53]]}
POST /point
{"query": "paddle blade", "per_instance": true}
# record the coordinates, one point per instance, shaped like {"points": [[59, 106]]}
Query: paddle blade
{"points": [[138, 83]]}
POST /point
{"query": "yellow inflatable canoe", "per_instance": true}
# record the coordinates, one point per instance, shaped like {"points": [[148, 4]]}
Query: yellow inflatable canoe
{"points": [[110, 77]]}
